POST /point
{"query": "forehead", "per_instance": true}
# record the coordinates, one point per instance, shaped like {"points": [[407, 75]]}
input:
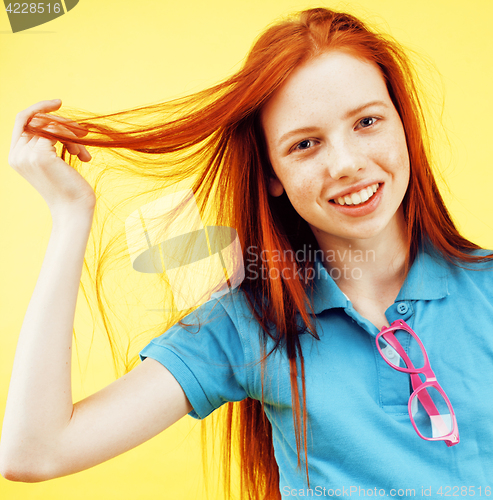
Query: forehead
{"points": [[327, 86]]}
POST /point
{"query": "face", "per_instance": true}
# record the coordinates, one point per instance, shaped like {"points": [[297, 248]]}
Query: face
{"points": [[338, 149]]}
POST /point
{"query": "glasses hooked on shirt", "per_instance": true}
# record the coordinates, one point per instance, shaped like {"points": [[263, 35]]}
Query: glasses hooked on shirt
{"points": [[430, 410]]}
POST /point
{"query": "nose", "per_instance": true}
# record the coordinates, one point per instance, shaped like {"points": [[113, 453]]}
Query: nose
{"points": [[344, 159]]}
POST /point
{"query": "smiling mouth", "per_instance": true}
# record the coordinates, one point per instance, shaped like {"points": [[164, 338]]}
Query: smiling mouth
{"points": [[358, 197]]}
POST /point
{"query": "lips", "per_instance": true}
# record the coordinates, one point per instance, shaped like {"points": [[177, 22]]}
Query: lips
{"points": [[357, 197]]}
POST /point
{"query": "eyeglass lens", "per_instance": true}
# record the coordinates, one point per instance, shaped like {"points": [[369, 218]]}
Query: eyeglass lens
{"points": [[431, 413], [410, 357]]}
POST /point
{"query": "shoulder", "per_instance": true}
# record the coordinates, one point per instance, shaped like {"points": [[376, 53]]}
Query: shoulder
{"points": [[225, 316], [216, 330], [236, 304], [470, 277]]}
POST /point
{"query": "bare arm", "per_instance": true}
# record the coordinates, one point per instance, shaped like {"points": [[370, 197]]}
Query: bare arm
{"points": [[44, 435]]}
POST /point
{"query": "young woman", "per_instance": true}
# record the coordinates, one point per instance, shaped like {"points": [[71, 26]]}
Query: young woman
{"points": [[318, 145]]}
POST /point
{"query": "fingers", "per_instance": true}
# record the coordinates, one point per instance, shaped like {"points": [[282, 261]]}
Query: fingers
{"points": [[73, 148], [24, 116], [37, 115], [84, 154], [41, 118], [67, 127]]}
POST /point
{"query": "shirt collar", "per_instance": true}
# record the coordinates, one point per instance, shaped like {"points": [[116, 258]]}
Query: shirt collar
{"points": [[426, 280]]}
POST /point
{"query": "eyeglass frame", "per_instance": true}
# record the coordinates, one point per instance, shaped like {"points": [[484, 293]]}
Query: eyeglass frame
{"points": [[451, 438]]}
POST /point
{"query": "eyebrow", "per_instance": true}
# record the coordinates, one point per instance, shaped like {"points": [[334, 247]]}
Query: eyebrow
{"points": [[349, 114], [357, 110]]}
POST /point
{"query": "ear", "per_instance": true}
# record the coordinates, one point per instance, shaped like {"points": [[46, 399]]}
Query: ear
{"points": [[275, 187]]}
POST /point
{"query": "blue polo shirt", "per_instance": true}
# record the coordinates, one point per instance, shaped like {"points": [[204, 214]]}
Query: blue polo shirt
{"points": [[360, 439]]}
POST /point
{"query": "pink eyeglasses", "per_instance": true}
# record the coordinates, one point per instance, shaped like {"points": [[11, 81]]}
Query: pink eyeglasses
{"points": [[430, 410]]}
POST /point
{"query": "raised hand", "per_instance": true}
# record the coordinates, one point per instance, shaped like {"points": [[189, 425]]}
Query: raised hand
{"points": [[34, 157]]}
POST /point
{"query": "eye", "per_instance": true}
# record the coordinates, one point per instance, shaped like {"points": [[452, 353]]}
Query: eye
{"points": [[367, 122], [303, 145]]}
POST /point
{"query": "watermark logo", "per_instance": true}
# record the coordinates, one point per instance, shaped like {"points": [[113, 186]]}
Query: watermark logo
{"points": [[26, 15], [338, 264], [200, 261]]}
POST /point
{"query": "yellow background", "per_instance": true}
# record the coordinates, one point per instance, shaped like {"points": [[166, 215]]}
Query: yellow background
{"points": [[109, 55]]}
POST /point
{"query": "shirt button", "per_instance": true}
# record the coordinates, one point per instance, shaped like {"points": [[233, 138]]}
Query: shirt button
{"points": [[402, 308], [390, 353]]}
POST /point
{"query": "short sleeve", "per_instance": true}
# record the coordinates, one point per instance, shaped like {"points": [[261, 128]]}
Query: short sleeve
{"points": [[205, 356]]}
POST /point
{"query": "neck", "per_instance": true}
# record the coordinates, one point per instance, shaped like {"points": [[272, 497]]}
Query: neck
{"points": [[372, 267], [358, 265]]}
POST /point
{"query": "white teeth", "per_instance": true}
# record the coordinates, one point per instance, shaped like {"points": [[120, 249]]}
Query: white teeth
{"points": [[364, 195], [355, 198], [358, 197]]}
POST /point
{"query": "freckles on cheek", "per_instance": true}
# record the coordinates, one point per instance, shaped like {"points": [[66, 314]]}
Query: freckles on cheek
{"points": [[397, 152], [401, 161], [304, 195], [304, 187], [393, 158]]}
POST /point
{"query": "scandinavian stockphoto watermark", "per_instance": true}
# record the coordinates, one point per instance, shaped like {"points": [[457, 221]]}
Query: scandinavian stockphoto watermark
{"points": [[358, 491], [350, 491], [26, 15], [301, 263], [201, 261], [169, 236]]}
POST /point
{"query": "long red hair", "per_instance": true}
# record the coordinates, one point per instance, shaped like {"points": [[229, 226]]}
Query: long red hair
{"points": [[215, 138]]}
